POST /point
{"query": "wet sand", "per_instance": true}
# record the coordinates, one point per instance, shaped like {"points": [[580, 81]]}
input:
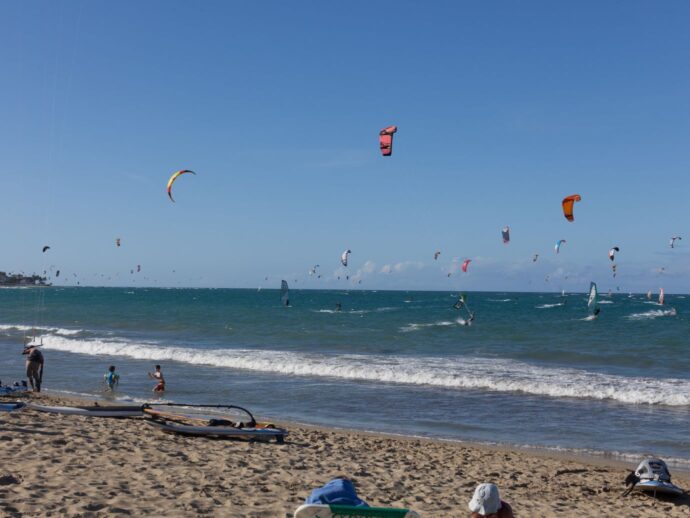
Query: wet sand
{"points": [[62, 465]]}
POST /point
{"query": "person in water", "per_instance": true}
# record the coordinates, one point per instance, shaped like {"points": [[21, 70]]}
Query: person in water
{"points": [[486, 503], [158, 376], [34, 366], [338, 306], [111, 378]]}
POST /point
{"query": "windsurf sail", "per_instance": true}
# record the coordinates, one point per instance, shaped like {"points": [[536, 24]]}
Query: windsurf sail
{"points": [[649, 295], [661, 296], [284, 293], [592, 300], [462, 303]]}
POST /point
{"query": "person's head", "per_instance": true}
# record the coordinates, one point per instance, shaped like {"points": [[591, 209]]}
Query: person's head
{"points": [[111, 368], [158, 368], [485, 500]]}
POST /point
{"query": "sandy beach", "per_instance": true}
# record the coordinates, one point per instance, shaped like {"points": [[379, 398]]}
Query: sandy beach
{"points": [[61, 465]]}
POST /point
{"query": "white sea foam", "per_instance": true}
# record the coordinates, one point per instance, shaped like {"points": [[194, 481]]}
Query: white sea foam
{"points": [[499, 300], [442, 323], [605, 302], [654, 313], [42, 329], [546, 306], [500, 375]]}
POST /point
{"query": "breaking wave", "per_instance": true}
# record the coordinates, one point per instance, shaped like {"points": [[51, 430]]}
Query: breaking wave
{"points": [[41, 329], [499, 375]]}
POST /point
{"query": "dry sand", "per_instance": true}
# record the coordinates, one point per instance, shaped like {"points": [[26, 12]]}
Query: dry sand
{"points": [[61, 465]]}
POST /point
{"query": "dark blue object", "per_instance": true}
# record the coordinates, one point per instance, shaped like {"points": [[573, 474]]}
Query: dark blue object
{"points": [[338, 491]]}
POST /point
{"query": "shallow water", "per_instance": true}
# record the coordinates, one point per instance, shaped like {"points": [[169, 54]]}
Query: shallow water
{"points": [[531, 370]]}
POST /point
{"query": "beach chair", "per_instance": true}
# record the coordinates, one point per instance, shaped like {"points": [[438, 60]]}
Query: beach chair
{"points": [[347, 511]]}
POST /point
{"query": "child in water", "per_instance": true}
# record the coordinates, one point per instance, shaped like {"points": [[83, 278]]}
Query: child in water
{"points": [[111, 378], [158, 376]]}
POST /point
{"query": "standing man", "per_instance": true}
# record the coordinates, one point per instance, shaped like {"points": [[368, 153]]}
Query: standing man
{"points": [[34, 366]]}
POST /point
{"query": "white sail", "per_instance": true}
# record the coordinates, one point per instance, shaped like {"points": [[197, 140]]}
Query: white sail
{"points": [[661, 296], [592, 300]]}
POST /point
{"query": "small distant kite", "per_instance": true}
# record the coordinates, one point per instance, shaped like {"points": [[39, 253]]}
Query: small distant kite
{"points": [[312, 271], [386, 140], [612, 252], [466, 264], [672, 241], [557, 248], [436, 254], [568, 203], [505, 233], [534, 259], [45, 248], [173, 178], [117, 241], [345, 256], [57, 274], [138, 268]]}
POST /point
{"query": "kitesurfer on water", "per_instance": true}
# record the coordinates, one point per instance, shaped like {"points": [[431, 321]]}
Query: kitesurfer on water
{"points": [[338, 306], [34, 366]]}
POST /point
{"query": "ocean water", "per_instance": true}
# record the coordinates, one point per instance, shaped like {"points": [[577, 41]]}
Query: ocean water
{"points": [[530, 371]]}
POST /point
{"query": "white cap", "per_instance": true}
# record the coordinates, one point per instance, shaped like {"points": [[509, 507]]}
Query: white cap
{"points": [[485, 500]]}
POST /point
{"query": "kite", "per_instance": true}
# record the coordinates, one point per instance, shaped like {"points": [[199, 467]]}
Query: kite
{"points": [[568, 203], [117, 241], [466, 264], [312, 271], [138, 268], [45, 248], [506, 235], [386, 140], [345, 257], [173, 178], [436, 254], [673, 240], [558, 245], [613, 251], [534, 259]]}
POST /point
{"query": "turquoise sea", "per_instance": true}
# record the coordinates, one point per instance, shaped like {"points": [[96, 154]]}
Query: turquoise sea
{"points": [[530, 371]]}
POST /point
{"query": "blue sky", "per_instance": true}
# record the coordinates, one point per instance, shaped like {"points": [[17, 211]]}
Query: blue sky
{"points": [[503, 109]]}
